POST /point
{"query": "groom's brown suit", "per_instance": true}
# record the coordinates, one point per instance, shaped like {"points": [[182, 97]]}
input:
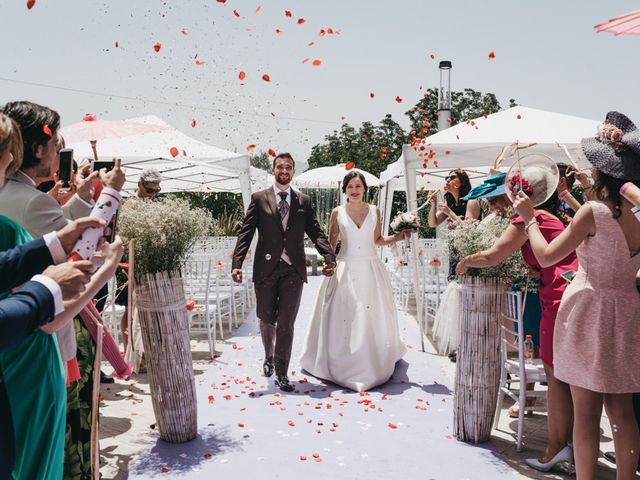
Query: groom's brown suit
{"points": [[278, 284]]}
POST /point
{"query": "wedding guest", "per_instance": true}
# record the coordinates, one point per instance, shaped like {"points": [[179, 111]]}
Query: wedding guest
{"points": [[565, 183], [457, 186], [552, 223], [598, 333]]}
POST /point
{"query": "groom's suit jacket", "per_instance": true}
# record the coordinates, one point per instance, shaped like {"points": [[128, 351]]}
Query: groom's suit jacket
{"points": [[273, 238]]}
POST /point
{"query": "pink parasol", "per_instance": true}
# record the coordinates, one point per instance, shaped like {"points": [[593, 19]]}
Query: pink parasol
{"points": [[627, 24], [91, 129]]}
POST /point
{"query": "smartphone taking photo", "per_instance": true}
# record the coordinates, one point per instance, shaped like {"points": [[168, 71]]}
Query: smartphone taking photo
{"points": [[65, 169], [99, 165]]}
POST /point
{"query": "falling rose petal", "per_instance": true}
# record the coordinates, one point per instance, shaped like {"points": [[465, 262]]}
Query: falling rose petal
{"points": [[448, 437], [184, 153], [343, 117], [258, 8], [211, 399], [316, 63], [322, 32], [278, 31], [305, 60], [303, 458], [291, 423], [221, 1], [235, 12], [432, 56], [519, 117], [301, 21], [287, 13], [349, 165], [241, 425], [207, 456], [266, 78], [174, 152], [47, 130], [272, 152], [117, 45], [311, 44], [371, 95], [251, 147], [492, 55], [157, 46], [392, 426], [398, 99], [242, 75], [30, 4], [184, 31], [199, 62], [330, 31], [193, 123], [165, 469]]}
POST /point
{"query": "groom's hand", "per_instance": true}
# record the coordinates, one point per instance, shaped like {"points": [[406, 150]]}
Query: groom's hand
{"points": [[328, 269], [236, 274]]}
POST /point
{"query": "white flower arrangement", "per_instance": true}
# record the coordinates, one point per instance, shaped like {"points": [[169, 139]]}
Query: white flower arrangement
{"points": [[405, 221], [163, 231], [473, 236]]}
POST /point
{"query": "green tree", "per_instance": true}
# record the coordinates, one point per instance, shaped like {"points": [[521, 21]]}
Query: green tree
{"points": [[262, 161]]}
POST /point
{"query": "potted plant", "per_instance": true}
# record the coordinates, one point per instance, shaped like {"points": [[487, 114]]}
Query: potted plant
{"points": [[163, 233], [478, 361]]}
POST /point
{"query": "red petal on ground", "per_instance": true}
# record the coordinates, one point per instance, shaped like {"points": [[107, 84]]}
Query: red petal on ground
{"points": [[392, 425], [266, 78], [316, 63], [349, 165], [492, 55], [30, 4], [301, 21], [242, 75], [235, 12], [398, 99], [272, 152], [157, 46], [251, 147], [287, 13], [47, 130]]}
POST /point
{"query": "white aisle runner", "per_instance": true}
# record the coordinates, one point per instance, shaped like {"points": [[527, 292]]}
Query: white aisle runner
{"points": [[248, 429]]}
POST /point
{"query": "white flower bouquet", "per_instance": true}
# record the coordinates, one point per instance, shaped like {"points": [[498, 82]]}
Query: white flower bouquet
{"points": [[472, 237], [405, 221]]}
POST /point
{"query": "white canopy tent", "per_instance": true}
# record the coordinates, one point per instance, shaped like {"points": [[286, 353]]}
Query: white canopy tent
{"points": [[330, 177], [476, 143], [198, 167]]}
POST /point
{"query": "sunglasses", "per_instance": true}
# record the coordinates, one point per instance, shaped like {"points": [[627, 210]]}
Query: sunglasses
{"points": [[450, 177], [153, 191]]}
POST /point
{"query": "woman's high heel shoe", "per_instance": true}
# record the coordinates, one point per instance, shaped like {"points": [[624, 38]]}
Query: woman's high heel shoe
{"points": [[564, 455]]}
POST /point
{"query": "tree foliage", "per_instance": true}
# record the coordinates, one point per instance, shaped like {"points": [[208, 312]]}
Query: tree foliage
{"points": [[262, 161]]}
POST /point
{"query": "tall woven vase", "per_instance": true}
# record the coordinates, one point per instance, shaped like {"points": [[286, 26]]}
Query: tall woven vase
{"points": [[478, 360], [164, 324]]}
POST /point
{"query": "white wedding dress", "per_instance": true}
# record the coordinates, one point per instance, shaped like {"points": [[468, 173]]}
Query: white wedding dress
{"points": [[353, 338]]}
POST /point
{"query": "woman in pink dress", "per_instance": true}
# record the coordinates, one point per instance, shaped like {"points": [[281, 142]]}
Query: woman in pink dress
{"points": [[597, 334], [552, 223]]}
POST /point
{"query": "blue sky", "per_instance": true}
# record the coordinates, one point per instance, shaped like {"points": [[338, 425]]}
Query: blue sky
{"points": [[548, 56]]}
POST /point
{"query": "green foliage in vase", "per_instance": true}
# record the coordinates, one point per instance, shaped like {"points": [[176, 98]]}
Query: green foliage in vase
{"points": [[163, 232]]}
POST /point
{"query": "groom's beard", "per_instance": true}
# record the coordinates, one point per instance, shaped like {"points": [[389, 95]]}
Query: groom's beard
{"points": [[283, 179]]}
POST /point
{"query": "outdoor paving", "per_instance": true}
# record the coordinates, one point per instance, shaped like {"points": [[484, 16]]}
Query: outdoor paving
{"points": [[246, 427]]}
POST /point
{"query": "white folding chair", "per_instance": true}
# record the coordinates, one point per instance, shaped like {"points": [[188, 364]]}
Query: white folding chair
{"points": [[202, 318], [521, 373]]}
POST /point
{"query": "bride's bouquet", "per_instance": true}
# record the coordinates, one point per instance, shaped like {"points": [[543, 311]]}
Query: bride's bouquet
{"points": [[405, 221]]}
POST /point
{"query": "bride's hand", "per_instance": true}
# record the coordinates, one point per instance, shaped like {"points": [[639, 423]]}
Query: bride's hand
{"points": [[328, 269], [461, 267]]}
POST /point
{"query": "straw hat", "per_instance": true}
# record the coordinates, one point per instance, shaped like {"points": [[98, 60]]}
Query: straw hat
{"points": [[536, 174], [616, 149]]}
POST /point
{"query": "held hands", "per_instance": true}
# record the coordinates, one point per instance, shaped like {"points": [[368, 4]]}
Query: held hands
{"points": [[328, 269], [523, 206], [236, 275], [70, 234], [115, 178], [71, 277]]}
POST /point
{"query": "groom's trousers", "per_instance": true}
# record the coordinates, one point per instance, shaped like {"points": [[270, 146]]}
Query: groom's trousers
{"points": [[277, 303]]}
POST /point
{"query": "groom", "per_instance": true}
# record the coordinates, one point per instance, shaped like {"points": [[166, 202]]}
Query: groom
{"points": [[282, 216]]}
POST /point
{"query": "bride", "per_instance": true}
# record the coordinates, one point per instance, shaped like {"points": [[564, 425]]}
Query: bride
{"points": [[353, 338]]}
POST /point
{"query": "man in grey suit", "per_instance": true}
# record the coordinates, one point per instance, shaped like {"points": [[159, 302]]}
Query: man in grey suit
{"points": [[35, 211]]}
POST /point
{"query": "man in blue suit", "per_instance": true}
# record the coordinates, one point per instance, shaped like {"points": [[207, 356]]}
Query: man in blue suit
{"points": [[38, 301]]}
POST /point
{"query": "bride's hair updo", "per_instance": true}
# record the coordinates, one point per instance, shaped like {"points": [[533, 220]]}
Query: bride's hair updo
{"points": [[350, 176]]}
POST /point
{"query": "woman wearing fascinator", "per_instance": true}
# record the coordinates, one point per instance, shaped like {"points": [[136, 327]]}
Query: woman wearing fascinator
{"points": [[597, 336], [538, 176]]}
